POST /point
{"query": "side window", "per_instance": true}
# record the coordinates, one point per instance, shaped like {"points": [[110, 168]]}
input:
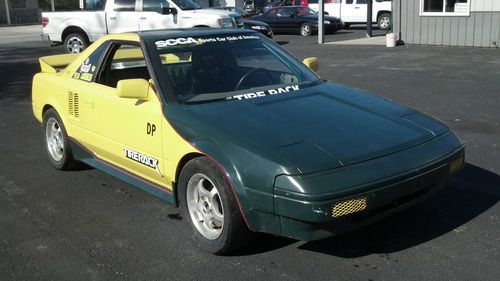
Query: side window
{"points": [[360, 1], [286, 12], [154, 5], [272, 12], [349, 1], [124, 5], [90, 67], [125, 61], [94, 5]]}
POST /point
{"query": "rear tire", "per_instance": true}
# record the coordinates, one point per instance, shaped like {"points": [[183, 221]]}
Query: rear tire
{"points": [[305, 29], [75, 43], [56, 141], [384, 21], [209, 205]]}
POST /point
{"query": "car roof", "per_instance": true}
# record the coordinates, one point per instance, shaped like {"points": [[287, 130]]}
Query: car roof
{"points": [[184, 32], [287, 7]]}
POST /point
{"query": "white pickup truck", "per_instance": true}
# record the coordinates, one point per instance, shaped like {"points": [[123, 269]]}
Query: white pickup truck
{"points": [[354, 11], [77, 29]]}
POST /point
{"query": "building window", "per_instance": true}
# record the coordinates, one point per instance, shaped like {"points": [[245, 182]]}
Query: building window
{"points": [[444, 7]]}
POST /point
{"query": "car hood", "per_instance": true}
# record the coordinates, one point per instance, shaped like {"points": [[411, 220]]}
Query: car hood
{"points": [[255, 22], [317, 128]]}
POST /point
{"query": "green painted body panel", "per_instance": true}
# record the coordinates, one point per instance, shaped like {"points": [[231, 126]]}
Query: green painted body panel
{"points": [[316, 128], [289, 157]]}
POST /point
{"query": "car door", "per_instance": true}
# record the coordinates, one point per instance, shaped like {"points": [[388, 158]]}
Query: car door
{"points": [[284, 19], [151, 15], [271, 17], [360, 10], [123, 132], [348, 10], [121, 16]]}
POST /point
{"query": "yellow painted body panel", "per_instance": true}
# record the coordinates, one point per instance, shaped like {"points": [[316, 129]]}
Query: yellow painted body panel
{"points": [[109, 126], [51, 64]]}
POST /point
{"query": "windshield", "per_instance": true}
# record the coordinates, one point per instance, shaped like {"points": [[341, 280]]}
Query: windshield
{"points": [[186, 4], [226, 67]]}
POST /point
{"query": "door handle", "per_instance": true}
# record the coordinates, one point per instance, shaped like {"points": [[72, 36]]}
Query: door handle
{"points": [[142, 18], [356, 7], [112, 18]]}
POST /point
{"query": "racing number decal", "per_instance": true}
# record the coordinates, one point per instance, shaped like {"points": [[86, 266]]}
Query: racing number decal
{"points": [[150, 129]]}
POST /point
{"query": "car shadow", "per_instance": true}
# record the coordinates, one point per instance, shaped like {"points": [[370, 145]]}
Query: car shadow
{"points": [[16, 73], [282, 42], [466, 196], [263, 243], [340, 32]]}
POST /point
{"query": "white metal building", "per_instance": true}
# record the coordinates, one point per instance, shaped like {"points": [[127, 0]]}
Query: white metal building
{"points": [[474, 23]]}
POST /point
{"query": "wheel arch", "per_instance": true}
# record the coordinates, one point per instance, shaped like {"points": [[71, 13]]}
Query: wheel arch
{"points": [[383, 12], [47, 107], [73, 29], [228, 169], [54, 105], [180, 165]]}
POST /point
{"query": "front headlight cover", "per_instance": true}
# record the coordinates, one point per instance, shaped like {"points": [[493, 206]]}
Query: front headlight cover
{"points": [[258, 27], [226, 23]]}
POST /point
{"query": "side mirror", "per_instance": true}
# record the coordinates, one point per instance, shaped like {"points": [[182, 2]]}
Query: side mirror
{"points": [[133, 89], [168, 11], [325, 13], [312, 63]]}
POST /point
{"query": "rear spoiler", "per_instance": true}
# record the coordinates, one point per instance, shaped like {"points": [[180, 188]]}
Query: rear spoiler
{"points": [[53, 64]]}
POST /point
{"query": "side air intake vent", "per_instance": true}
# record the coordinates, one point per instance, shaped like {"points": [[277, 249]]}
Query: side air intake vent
{"points": [[73, 104]]}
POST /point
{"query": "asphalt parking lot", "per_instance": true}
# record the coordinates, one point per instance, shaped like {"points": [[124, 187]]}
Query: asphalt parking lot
{"points": [[86, 225]]}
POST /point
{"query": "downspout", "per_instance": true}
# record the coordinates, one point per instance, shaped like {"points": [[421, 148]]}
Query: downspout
{"points": [[7, 12]]}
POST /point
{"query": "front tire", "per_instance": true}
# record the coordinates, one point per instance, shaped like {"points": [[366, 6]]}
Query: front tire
{"points": [[75, 43], [384, 21], [210, 207], [56, 141], [305, 29]]}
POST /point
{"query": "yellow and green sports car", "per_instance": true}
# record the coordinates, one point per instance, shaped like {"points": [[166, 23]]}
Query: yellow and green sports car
{"points": [[239, 134]]}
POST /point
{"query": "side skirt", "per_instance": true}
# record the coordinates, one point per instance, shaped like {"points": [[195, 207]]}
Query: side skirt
{"points": [[86, 156]]}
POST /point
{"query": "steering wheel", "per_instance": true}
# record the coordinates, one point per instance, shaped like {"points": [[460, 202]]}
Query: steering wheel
{"points": [[253, 72]]}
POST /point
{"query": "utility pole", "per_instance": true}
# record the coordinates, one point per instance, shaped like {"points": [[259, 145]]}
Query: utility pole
{"points": [[369, 18], [321, 22]]}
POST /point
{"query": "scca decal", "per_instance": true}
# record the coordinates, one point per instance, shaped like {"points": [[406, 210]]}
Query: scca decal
{"points": [[175, 41], [269, 92]]}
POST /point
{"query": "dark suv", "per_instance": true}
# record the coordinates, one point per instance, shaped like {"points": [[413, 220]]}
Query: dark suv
{"points": [[254, 6]]}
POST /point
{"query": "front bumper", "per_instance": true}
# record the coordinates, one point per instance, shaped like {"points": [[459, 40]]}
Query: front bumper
{"points": [[311, 216]]}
